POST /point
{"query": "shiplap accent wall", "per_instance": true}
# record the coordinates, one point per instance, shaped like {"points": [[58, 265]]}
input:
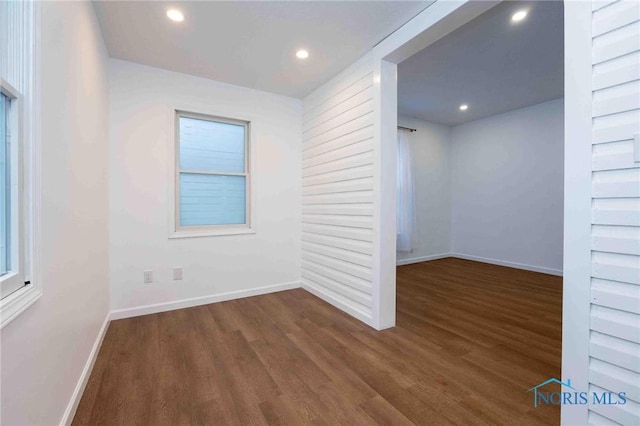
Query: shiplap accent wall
{"points": [[615, 258], [337, 191]]}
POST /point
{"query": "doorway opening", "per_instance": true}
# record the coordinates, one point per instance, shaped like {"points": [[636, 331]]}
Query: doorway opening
{"points": [[480, 195]]}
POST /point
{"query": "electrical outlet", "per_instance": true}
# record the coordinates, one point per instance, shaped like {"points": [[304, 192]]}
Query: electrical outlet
{"points": [[177, 273], [148, 277]]}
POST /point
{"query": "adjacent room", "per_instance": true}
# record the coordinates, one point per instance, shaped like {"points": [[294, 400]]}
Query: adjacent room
{"points": [[480, 195]]}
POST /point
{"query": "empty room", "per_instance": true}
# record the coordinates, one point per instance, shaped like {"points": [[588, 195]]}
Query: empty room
{"points": [[480, 202], [320, 212]]}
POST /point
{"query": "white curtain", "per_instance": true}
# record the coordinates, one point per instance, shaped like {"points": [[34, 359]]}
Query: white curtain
{"points": [[405, 205]]}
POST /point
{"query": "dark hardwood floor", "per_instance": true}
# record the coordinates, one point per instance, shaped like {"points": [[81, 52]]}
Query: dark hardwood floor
{"points": [[471, 338]]}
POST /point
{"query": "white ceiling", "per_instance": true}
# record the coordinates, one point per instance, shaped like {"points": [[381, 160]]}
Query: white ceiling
{"points": [[252, 43], [490, 64]]}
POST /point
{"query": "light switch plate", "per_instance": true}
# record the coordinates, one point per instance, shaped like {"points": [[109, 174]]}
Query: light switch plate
{"points": [[148, 277]]}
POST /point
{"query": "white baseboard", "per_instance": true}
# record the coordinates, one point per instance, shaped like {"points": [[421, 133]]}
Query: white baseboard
{"points": [[197, 301], [498, 262], [408, 261], [70, 411], [526, 267], [344, 306]]}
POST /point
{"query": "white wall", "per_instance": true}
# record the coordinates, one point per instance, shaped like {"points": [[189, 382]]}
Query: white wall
{"points": [[431, 151], [45, 348], [337, 195], [381, 62], [141, 137], [507, 192], [614, 182]]}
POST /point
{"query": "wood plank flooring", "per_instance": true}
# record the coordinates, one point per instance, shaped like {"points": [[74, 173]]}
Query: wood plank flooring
{"points": [[471, 338]]}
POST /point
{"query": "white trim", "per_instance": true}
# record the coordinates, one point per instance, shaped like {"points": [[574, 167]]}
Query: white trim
{"points": [[533, 268], [345, 307], [202, 300], [428, 26], [576, 304], [70, 411], [72, 406], [205, 230], [419, 259], [174, 230], [17, 130], [33, 177], [385, 145], [17, 302], [524, 266], [213, 232]]}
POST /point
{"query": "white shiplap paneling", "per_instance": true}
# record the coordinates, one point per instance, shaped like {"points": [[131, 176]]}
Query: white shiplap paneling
{"points": [[337, 191], [614, 347], [626, 415]]}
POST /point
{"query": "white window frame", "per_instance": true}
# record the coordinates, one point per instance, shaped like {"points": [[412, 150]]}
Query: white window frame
{"points": [[23, 66], [15, 279], [176, 229]]}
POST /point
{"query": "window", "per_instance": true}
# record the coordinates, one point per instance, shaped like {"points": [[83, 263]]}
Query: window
{"points": [[5, 187], [405, 197], [212, 173], [11, 239], [20, 283]]}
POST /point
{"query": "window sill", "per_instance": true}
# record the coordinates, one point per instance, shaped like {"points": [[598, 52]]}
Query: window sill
{"points": [[211, 233], [17, 302], [6, 277]]}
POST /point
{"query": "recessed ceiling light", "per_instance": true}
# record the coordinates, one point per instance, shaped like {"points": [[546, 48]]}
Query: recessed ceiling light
{"points": [[302, 54], [464, 107], [175, 15], [519, 16]]}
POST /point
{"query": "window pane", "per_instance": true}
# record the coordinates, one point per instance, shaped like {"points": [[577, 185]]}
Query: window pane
{"points": [[5, 187], [211, 146], [212, 199]]}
